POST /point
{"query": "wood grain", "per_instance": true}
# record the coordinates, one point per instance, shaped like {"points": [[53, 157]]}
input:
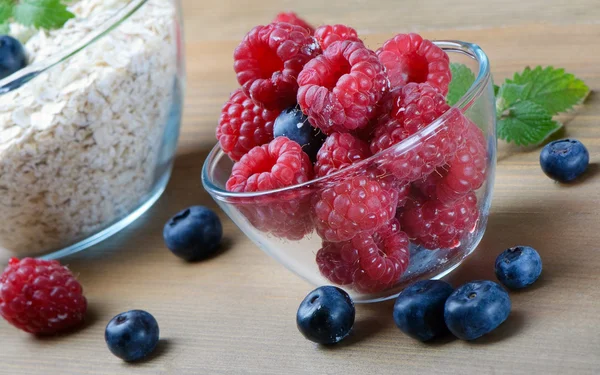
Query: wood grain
{"points": [[235, 313]]}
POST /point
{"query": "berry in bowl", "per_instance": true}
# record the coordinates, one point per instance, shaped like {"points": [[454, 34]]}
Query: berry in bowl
{"points": [[380, 169]]}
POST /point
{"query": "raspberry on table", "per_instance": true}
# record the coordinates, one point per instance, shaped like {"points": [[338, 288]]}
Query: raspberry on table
{"points": [[359, 204], [410, 58], [434, 225], [294, 19], [339, 151], [327, 34], [277, 164], [268, 60], [244, 125], [40, 296], [340, 89]]}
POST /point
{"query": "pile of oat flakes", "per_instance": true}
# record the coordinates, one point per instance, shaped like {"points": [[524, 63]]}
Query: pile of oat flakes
{"points": [[79, 144]]}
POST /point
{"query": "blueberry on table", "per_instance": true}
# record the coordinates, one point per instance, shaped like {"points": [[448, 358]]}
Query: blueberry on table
{"points": [[132, 335], [564, 160], [475, 309], [419, 309], [194, 233], [293, 124], [518, 267], [12, 56], [326, 315]]}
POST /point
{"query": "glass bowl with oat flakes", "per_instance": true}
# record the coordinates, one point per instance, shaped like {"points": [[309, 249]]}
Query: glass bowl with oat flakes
{"points": [[89, 128]]}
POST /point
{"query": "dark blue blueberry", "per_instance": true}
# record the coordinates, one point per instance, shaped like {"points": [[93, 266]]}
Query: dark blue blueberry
{"points": [[419, 309], [194, 233], [292, 123], [12, 56], [518, 267], [564, 160], [475, 309], [326, 315], [132, 335]]}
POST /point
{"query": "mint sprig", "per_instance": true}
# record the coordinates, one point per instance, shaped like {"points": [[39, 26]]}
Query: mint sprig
{"points": [[41, 14], [526, 104]]}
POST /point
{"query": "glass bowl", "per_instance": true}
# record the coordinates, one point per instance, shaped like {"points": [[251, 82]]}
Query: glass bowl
{"points": [[88, 129], [289, 225]]}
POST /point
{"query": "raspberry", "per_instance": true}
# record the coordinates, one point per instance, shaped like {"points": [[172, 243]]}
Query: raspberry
{"points": [[466, 170], [339, 151], [338, 261], [327, 34], [360, 204], [340, 88], [372, 263], [414, 107], [434, 225], [403, 194], [275, 165], [243, 125], [423, 155], [284, 215], [40, 296], [268, 61], [410, 58], [291, 17]]}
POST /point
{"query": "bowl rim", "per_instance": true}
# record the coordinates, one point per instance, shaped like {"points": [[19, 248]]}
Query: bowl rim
{"points": [[466, 101], [21, 77]]}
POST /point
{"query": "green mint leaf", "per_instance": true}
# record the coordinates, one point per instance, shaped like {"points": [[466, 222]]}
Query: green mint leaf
{"points": [[462, 80], [526, 123], [4, 28], [508, 94], [46, 14], [6, 11], [496, 89], [553, 89]]}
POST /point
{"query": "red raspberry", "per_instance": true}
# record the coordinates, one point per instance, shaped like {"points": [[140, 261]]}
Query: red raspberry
{"points": [[338, 262], [422, 155], [360, 204], [268, 61], [340, 89], [372, 263], [410, 58], [466, 171], [283, 215], [327, 34], [414, 107], [243, 125], [434, 225], [339, 151], [275, 165], [291, 17], [403, 194], [40, 296]]}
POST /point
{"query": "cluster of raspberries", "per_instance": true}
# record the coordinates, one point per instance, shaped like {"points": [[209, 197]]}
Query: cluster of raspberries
{"points": [[365, 102]]}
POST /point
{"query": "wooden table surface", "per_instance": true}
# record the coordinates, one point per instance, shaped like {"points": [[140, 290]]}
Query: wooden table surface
{"points": [[236, 313]]}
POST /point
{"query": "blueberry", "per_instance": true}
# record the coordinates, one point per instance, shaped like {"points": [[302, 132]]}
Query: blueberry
{"points": [[194, 233], [419, 309], [292, 123], [132, 335], [564, 160], [518, 267], [326, 315], [475, 309], [12, 56]]}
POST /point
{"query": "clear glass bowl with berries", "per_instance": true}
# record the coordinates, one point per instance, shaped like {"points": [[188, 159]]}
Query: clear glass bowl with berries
{"points": [[362, 169], [90, 109]]}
